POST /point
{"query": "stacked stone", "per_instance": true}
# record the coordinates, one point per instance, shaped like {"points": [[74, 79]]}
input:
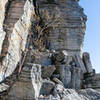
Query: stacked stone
{"points": [[68, 22]]}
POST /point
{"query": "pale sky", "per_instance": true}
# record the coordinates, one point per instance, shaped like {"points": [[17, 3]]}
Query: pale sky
{"points": [[92, 35]]}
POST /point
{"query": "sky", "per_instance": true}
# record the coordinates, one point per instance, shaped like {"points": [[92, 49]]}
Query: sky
{"points": [[92, 35]]}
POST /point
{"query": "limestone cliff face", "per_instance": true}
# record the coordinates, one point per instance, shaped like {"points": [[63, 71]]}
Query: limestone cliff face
{"points": [[67, 20], [2, 16], [17, 41], [41, 52]]}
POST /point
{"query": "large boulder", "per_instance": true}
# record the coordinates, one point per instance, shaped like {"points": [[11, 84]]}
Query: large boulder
{"points": [[47, 87]]}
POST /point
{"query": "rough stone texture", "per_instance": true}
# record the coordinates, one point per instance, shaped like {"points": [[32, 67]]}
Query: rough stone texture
{"points": [[47, 87], [20, 91], [68, 22], [28, 85], [87, 62], [2, 16], [42, 58], [79, 63], [64, 21], [90, 94], [47, 71], [58, 58], [76, 78], [3, 87], [65, 75], [93, 82], [57, 81], [36, 79], [17, 42], [60, 93]]}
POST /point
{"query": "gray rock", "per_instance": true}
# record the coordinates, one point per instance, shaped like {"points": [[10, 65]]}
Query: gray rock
{"points": [[79, 63], [42, 58], [76, 78], [57, 81], [47, 87], [67, 94], [87, 62], [3, 87], [68, 25], [21, 90], [65, 75], [36, 79], [17, 41], [90, 94], [2, 16], [47, 71], [58, 58], [93, 82]]}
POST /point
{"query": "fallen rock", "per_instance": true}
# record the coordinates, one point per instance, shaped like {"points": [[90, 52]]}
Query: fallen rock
{"points": [[3, 87], [57, 81], [90, 94], [47, 87], [42, 58], [58, 57], [21, 90], [87, 62], [47, 71], [67, 94]]}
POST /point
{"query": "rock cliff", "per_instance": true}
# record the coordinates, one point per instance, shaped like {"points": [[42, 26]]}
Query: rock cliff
{"points": [[41, 54]]}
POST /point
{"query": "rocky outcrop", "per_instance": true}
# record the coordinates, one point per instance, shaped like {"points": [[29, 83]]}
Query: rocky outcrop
{"points": [[36, 79], [2, 16], [43, 58], [17, 41], [67, 20]]}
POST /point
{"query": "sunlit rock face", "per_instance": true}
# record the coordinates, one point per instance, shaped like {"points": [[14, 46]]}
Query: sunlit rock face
{"points": [[2, 16], [67, 20], [17, 41]]}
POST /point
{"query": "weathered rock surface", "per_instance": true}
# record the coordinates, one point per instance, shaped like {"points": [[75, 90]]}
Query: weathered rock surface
{"points": [[92, 82], [17, 41], [90, 94], [47, 87], [87, 62], [76, 78], [68, 22], [79, 63], [3, 87], [2, 16], [45, 42], [65, 75], [47, 71], [36, 79], [60, 93]]}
